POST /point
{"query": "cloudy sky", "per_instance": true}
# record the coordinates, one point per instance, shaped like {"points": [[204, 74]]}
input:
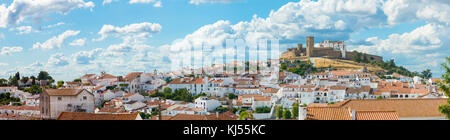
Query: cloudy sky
{"points": [[68, 38]]}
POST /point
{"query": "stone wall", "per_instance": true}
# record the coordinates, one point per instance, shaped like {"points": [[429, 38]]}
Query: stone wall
{"points": [[350, 56]]}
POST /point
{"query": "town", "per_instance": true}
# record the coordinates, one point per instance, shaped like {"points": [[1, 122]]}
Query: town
{"points": [[368, 89]]}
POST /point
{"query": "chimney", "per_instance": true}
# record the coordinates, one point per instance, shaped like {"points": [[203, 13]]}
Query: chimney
{"points": [[353, 114], [217, 115], [302, 113]]}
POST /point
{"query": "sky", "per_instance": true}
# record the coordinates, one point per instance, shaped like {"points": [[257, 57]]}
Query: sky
{"points": [[69, 38]]}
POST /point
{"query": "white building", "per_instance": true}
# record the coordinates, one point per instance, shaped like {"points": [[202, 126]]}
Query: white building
{"points": [[206, 103]]}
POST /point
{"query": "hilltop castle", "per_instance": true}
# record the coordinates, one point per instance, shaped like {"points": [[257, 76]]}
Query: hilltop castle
{"points": [[326, 49]]}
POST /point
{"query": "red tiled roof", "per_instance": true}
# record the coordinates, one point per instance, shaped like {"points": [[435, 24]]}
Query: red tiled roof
{"points": [[376, 115], [328, 113], [404, 107], [92, 116]]}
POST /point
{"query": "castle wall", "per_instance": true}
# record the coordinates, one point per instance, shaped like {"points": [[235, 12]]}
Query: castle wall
{"points": [[350, 55], [329, 52]]}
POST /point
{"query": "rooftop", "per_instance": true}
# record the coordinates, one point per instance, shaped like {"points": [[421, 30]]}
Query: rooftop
{"points": [[92, 116]]}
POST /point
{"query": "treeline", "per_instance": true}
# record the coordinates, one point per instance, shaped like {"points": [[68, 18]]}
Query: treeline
{"points": [[299, 67], [177, 95], [6, 98], [390, 66], [30, 82]]}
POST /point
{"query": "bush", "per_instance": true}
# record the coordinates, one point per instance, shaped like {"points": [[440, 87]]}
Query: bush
{"points": [[221, 109], [231, 96], [287, 114], [263, 110]]}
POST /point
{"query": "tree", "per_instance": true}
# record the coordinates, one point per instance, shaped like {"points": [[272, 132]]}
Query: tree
{"points": [[221, 109], [445, 86], [231, 96], [426, 74], [60, 84], [295, 109], [43, 75], [287, 114], [34, 89], [17, 76], [3, 82], [279, 112], [244, 115], [145, 116], [356, 56], [379, 97], [24, 79], [263, 110], [13, 81], [77, 80], [33, 80]]}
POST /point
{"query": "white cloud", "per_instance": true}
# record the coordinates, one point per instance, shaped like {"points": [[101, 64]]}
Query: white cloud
{"points": [[197, 2], [140, 30], [23, 29], [399, 11], [21, 10], [58, 60], [78, 42], [10, 50], [4, 64], [55, 25], [424, 38], [56, 41], [156, 3], [424, 47], [325, 19], [85, 57]]}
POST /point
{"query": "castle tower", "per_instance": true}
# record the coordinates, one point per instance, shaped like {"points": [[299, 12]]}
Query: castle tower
{"points": [[309, 46]]}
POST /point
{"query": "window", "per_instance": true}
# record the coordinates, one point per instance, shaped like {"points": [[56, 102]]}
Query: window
{"points": [[59, 98], [84, 98]]}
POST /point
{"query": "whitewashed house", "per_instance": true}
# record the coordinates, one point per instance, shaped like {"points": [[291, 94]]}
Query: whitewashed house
{"points": [[206, 103]]}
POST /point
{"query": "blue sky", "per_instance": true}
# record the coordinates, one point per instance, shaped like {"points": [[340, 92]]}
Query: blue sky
{"points": [[415, 33]]}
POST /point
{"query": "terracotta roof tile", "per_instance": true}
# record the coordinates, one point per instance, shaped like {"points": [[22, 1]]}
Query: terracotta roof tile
{"points": [[328, 113], [404, 107], [92, 116], [376, 115], [63, 92]]}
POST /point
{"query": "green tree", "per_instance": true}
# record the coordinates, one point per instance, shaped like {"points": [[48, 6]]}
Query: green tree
{"points": [[263, 110], [231, 96], [77, 80], [445, 86], [287, 114], [295, 109], [33, 80], [426, 74], [145, 116], [24, 79], [43, 75], [279, 112], [356, 56], [3, 82], [34, 89], [221, 109], [13, 81], [244, 115], [60, 84], [17, 76]]}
